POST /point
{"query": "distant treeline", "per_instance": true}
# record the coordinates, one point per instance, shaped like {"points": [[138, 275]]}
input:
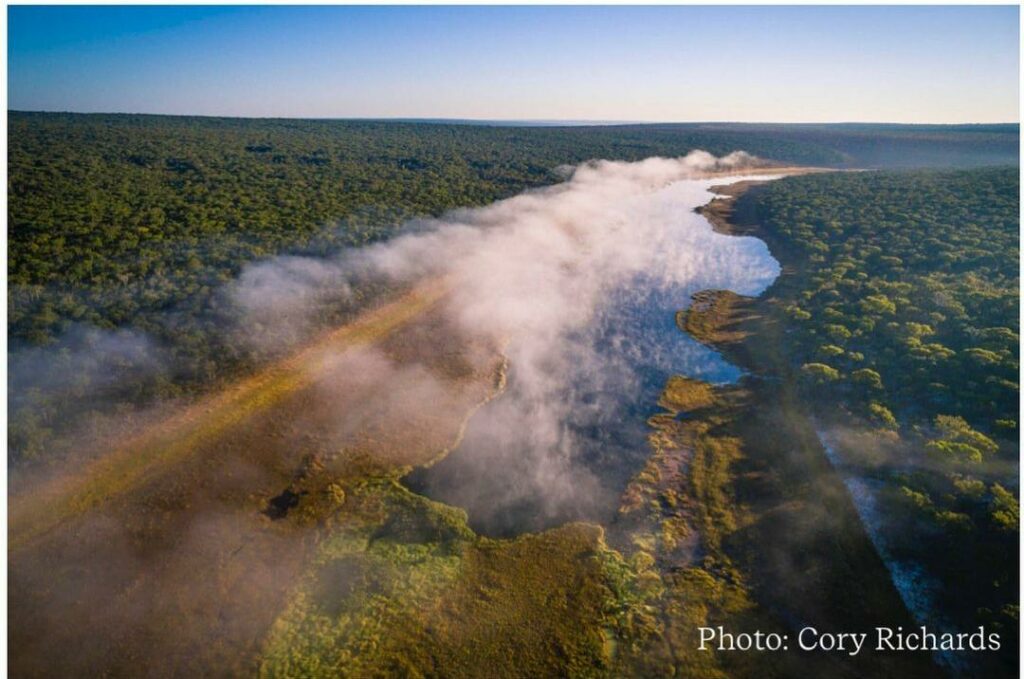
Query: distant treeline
{"points": [[135, 222]]}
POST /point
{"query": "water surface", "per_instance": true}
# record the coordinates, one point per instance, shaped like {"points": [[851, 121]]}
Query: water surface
{"points": [[513, 478]]}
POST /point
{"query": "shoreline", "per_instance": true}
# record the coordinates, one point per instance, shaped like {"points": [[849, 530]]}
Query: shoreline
{"points": [[845, 584], [720, 211]]}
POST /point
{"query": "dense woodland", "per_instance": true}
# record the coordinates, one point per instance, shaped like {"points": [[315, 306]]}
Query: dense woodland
{"points": [[132, 225], [910, 300], [903, 311]]}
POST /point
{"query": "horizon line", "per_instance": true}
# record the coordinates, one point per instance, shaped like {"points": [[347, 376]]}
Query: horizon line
{"points": [[499, 122]]}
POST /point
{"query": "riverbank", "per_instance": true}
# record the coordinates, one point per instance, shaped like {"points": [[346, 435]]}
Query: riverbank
{"points": [[930, 515], [794, 533]]}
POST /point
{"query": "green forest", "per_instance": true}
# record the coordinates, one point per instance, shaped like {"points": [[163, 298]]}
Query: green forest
{"points": [[113, 217], [910, 295], [903, 313]]}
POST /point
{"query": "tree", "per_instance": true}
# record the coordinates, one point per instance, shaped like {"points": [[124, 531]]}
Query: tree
{"points": [[867, 377], [957, 441], [882, 415], [1005, 511], [820, 372]]}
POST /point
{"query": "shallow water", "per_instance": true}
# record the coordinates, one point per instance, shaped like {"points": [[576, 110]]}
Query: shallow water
{"points": [[513, 478], [916, 587]]}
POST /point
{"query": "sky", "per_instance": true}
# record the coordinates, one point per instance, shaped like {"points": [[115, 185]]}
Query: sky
{"points": [[911, 64]]}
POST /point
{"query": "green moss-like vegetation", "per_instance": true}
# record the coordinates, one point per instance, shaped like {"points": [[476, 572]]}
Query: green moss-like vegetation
{"points": [[401, 586], [709, 317], [677, 515], [683, 394]]}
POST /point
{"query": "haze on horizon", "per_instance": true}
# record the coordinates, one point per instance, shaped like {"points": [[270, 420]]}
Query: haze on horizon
{"points": [[905, 64]]}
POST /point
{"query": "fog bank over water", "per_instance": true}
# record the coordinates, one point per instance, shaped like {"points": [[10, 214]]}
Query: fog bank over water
{"points": [[580, 283]]}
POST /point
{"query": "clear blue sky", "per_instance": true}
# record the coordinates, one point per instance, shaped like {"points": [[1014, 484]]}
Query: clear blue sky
{"points": [[892, 64]]}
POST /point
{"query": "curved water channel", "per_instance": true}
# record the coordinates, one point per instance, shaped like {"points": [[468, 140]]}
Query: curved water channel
{"points": [[512, 475]]}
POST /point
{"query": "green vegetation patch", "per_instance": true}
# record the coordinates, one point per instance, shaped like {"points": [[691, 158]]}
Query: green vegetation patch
{"points": [[401, 586], [683, 394], [904, 290]]}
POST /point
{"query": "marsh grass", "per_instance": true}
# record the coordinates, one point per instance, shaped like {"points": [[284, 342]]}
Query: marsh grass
{"points": [[401, 586]]}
